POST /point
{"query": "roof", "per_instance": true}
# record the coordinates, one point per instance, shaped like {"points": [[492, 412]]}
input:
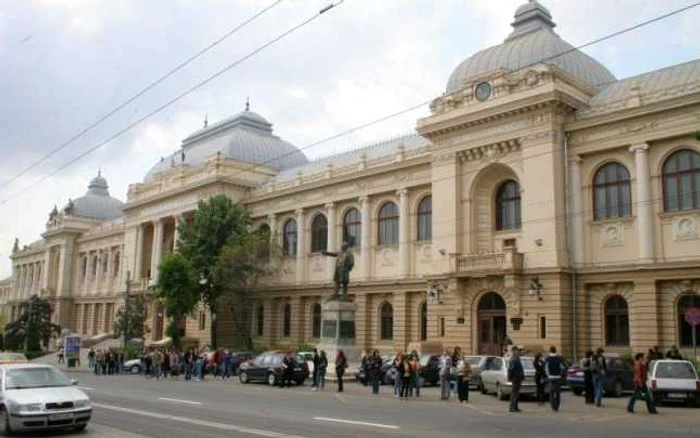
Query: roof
{"points": [[96, 203], [533, 41]]}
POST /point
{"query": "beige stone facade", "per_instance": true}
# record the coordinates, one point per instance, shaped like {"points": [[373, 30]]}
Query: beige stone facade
{"points": [[534, 204]]}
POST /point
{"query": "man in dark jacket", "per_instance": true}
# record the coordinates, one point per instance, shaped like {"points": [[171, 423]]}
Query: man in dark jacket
{"points": [[516, 375], [554, 369], [316, 361], [287, 370], [375, 369]]}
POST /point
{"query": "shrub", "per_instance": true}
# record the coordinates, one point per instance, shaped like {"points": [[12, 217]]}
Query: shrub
{"points": [[34, 354]]}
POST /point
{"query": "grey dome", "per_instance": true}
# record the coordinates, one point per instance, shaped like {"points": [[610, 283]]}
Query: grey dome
{"points": [[97, 203], [532, 41], [246, 136]]}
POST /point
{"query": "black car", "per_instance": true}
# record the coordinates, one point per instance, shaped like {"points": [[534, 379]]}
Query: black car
{"points": [[385, 375], [237, 358], [267, 367], [619, 377], [429, 372]]}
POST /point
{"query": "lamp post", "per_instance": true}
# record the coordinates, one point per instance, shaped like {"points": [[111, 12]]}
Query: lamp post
{"points": [[536, 288], [125, 313]]}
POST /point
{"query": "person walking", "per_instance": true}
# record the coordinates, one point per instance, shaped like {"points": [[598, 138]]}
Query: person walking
{"points": [[315, 361], [375, 369], [404, 374], [322, 367], [398, 360], [598, 371], [415, 374], [445, 370], [554, 369], [341, 364], [188, 360], [61, 356], [91, 358], [588, 377], [540, 378], [640, 385], [516, 375], [464, 371]]}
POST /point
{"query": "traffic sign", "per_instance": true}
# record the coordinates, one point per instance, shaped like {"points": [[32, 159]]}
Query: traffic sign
{"points": [[692, 316]]}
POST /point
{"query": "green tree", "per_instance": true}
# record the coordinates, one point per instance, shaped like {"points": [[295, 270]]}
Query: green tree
{"points": [[33, 329], [217, 221], [179, 289], [244, 262], [136, 327]]}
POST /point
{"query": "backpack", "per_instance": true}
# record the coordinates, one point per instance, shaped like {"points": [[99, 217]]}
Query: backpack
{"points": [[596, 365]]}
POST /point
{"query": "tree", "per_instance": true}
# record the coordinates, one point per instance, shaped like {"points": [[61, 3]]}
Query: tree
{"points": [[178, 288], [136, 327], [244, 262], [217, 222], [33, 329]]}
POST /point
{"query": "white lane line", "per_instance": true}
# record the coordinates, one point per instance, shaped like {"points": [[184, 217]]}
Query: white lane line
{"points": [[86, 388], [479, 410], [195, 421], [177, 400], [358, 423]]}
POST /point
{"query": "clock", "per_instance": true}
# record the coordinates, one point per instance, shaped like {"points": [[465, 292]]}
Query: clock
{"points": [[482, 91]]}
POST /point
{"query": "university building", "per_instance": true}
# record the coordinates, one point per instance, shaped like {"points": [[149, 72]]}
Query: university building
{"points": [[543, 201]]}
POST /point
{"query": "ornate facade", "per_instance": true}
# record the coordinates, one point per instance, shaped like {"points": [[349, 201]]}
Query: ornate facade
{"points": [[543, 201]]}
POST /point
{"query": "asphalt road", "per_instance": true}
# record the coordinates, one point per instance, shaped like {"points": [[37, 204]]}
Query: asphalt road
{"points": [[131, 406]]}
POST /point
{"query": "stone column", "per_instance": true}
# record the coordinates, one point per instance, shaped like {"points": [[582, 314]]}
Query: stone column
{"points": [[366, 238], [404, 234], [157, 253], [176, 232], [63, 288], [45, 271], [331, 246], [301, 247], [577, 230], [272, 220], [645, 218], [298, 320], [99, 276], [138, 274]]}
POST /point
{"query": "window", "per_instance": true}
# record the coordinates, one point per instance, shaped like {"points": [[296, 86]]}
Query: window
{"points": [[441, 328], [388, 224], [287, 321], [202, 320], [116, 265], [682, 181], [352, 224], [289, 246], [424, 321], [542, 327], [319, 233], [508, 206], [386, 322], [260, 319], [94, 267], [425, 219], [85, 263], [617, 328], [685, 330], [611, 192], [264, 229], [316, 321]]}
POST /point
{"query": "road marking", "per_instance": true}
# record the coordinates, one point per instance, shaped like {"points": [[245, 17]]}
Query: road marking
{"points": [[211, 424], [481, 411], [86, 388], [177, 400], [341, 398], [358, 423]]}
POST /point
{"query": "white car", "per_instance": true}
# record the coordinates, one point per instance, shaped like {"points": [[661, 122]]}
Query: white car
{"points": [[674, 380], [38, 397], [309, 358], [494, 378]]}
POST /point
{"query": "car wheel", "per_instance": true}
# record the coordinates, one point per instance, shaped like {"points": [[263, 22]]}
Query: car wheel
{"points": [[480, 386], [243, 377], [135, 369], [5, 429], [80, 427], [499, 392], [578, 391], [617, 389], [300, 382], [271, 379]]}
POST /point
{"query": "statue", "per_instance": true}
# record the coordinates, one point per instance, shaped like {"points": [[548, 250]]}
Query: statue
{"points": [[69, 208], [53, 216], [341, 277], [15, 247]]}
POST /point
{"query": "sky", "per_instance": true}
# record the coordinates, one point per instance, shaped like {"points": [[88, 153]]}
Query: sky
{"points": [[66, 63]]}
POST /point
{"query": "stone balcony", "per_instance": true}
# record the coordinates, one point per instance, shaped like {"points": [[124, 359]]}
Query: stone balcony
{"points": [[487, 263]]}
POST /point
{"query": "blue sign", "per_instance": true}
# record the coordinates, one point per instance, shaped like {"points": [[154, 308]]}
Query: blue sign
{"points": [[72, 346]]}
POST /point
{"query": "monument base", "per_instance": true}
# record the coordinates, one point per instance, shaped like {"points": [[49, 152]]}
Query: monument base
{"points": [[338, 330]]}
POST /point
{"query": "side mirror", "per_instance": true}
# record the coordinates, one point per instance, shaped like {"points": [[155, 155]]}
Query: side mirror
{"points": [[73, 382]]}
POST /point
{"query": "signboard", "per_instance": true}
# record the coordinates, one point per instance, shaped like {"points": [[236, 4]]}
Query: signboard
{"points": [[692, 316], [72, 344]]}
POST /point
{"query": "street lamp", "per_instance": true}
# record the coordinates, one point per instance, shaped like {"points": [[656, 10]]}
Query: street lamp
{"points": [[535, 288]]}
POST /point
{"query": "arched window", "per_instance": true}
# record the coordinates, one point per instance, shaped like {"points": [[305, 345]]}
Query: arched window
{"points": [[388, 224], [352, 224], [682, 181], [316, 321], [116, 265], [260, 319], [424, 321], [287, 321], [617, 324], [425, 219], [611, 192], [508, 206], [319, 233], [289, 245], [386, 322], [685, 330]]}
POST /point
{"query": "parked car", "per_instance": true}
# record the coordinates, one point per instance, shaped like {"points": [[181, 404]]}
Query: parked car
{"points": [[478, 364], [619, 377], [267, 367], [494, 379], [385, 375], [674, 380], [133, 366], [237, 358], [309, 357]]}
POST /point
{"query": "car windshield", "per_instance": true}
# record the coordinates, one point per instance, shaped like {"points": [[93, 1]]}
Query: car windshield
{"points": [[474, 360], [43, 377], [675, 370]]}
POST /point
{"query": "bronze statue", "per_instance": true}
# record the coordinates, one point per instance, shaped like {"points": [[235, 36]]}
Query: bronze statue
{"points": [[341, 277]]}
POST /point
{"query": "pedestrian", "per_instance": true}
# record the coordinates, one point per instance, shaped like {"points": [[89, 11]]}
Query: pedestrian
{"points": [[404, 374], [415, 374], [157, 364], [674, 354], [641, 367], [315, 361], [148, 361], [398, 360], [598, 371], [322, 368], [516, 375], [287, 370], [464, 371], [188, 361], [456, 357], [228, 364], [656, 353], [174, 364], [540, 378], [340, 365], [375, 369], [364, 365], [445, 370], [61, 356], [554, 369], [588, 377], [91, 358]]}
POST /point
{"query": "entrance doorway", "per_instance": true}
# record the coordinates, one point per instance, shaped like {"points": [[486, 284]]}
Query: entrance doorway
{"points": [[491, 315]]}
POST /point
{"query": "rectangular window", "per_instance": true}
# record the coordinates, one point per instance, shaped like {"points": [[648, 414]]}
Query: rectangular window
{"points": [[202, 320], [542, 327], [441, 328]]}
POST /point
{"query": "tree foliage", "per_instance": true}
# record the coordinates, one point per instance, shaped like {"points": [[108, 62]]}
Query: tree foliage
{"points": [[136, 327], [33, 329], [178, 288]]}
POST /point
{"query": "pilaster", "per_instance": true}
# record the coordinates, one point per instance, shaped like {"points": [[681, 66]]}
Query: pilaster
{"points": [[366, 238], [645, 219], [301, 247], [138, 267], [644, 316], [577, 229], [404, 234], [157, 253]]}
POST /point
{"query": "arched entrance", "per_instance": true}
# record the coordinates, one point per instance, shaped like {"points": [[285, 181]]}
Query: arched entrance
{"points": [[491, 317]]}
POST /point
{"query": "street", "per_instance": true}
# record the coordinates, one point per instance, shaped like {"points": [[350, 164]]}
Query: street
{"points": [[131, 406]]}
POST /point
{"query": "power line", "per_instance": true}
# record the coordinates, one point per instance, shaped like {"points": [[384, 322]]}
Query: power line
{"points": [[177, 98], [140, 93]]}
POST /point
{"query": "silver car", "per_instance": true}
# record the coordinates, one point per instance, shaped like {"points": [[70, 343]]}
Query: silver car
{"points": [[494, 379], [38, 397]]}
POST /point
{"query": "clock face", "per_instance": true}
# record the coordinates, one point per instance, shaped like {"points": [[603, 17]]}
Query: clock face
{"points": [[482, 91]]}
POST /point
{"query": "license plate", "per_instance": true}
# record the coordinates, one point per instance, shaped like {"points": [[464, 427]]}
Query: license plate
{"points": [[58, 417], [676, 395]]}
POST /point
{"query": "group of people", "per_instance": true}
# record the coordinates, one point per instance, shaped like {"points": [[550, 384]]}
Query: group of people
{"points": [[193, 364], [105, 362]]}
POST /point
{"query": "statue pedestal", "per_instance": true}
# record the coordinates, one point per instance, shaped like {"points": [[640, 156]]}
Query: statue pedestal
{"points": [[338, 329]]}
